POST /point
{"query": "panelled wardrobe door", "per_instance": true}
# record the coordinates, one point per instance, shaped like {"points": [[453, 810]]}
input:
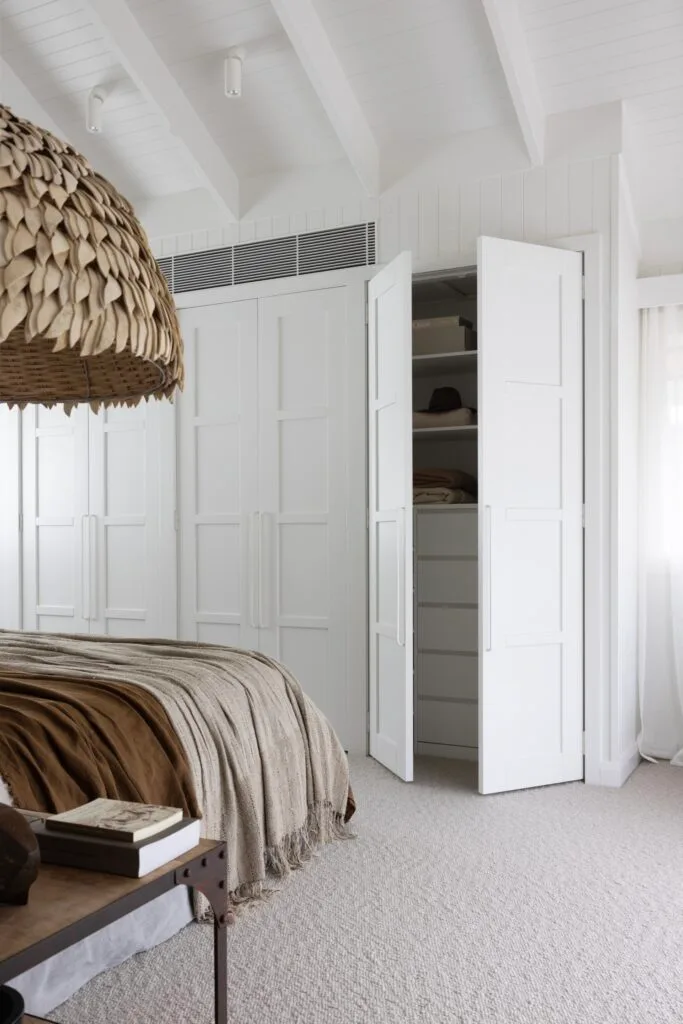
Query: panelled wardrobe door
{"points": [[530, 515], [218, 492], [303, 351], [133, 559], [57, 585], [390, 472]]}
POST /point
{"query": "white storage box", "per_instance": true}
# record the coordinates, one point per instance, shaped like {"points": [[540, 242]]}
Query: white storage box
{"points": [[442, 334]]}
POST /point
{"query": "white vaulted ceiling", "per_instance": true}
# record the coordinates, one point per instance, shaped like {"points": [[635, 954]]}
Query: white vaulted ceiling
{"points": [[340, 84], [587, 52]]}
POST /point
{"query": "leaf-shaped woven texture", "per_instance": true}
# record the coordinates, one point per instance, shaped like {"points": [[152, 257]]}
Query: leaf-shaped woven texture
{"points": [[85, 312]]}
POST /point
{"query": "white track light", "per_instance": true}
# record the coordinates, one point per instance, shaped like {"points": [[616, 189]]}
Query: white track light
{"points": [[93, 121], [232, 72]]}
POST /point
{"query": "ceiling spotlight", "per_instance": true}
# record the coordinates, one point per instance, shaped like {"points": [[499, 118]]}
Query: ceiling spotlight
{"points": [[232, 72], [93, 120]]}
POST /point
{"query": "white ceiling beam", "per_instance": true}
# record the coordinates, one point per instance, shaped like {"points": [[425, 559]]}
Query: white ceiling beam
{"points": [[510, 38], [155, 80], [312, 46]]}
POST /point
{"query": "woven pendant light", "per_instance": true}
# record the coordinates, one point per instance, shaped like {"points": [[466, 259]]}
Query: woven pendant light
{"points": [[85, 313]]}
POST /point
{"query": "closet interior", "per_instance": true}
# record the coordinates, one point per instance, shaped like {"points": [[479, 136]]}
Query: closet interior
{"points": [[445, 455]]}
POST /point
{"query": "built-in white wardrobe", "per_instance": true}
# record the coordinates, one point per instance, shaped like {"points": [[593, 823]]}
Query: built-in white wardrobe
{"points": [[97, 520], [476, 612], [272, 484]]}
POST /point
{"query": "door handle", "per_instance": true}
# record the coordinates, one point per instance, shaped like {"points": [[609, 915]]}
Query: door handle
{"points": [[401, 597], [85, 567], [93, 547], [254, 569], [264, 597], [488, 599]]}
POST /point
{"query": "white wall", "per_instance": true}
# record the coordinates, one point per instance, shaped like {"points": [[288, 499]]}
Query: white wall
{"points": [[662, 247]]}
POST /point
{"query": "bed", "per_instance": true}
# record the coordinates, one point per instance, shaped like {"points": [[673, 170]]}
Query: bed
{"points": [[226, 734]]}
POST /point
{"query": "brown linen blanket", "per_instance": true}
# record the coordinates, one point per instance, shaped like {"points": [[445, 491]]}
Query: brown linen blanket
{"points": [[64, 742], [269, 773]]}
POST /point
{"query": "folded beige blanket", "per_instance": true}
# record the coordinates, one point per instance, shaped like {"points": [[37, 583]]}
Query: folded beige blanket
{"points": [[454, 418], [442, 496], [454, 478]]}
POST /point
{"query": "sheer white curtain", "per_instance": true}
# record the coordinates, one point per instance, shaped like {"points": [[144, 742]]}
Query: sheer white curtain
{"points": [[661, 534]]}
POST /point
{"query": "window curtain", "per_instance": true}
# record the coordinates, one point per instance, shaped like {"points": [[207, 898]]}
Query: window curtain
{"points": [[661, 534]]}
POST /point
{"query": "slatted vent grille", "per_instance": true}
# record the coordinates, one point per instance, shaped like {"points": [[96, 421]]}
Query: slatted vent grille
{"points": [[310, 253]]}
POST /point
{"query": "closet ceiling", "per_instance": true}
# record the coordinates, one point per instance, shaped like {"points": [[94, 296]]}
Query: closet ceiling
{"points": [[332, 82]]}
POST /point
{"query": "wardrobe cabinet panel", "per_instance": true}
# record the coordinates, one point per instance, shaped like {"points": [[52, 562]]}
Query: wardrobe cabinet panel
{"points": [[56, 541], [218, 475], [303, 464], [133, 542]]}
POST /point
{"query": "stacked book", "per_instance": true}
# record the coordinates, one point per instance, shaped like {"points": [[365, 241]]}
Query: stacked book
{"points": [[114, 836]]}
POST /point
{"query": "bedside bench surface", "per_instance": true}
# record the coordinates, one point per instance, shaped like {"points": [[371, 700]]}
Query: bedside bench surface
{"points": [[68, 904]]}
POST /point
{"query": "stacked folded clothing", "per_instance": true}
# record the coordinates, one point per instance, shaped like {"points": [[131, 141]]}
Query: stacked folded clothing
{"points": [[443, 487], [442, 496]]}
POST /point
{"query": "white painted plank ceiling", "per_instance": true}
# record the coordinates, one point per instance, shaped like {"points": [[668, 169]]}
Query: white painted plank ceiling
{"points": [[422, 71], [53, 46], [279, 121], [587, 52]]}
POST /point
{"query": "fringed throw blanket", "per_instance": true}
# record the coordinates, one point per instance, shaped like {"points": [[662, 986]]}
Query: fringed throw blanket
{"points": [[270, 776]]}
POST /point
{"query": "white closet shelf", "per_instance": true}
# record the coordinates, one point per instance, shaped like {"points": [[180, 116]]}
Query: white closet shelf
{"points": [[444, 362], [444, 433], [435, 507]]}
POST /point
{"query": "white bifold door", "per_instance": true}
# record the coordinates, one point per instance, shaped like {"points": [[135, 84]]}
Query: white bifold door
{"points": [[265, 480], [390, 545], [530, 515], [530, 414], [98, 538]]}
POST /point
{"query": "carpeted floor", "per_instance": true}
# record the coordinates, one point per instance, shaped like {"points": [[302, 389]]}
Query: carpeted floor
{"points": [[552, 905]]}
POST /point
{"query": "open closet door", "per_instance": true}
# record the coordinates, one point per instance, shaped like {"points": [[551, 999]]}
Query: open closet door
{"points": [[390, 465], [530, 516]]}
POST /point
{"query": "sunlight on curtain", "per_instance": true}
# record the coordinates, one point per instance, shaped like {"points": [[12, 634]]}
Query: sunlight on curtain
{"points": [[661, 534]]}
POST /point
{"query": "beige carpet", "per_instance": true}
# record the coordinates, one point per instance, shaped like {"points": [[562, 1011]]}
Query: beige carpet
{"points": [[554, 905]]}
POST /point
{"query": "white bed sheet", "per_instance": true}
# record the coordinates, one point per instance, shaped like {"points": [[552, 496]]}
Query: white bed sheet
{"points": [[46, 986]]}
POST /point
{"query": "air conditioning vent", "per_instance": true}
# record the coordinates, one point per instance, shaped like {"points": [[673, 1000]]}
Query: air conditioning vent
{"points": [[262, 261], [209, 269], [166, 268], [310, 253], [335, 249]]}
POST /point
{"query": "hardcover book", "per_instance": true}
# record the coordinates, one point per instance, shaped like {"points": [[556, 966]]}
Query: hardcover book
{"points": [[115, 819], [113, 856]]}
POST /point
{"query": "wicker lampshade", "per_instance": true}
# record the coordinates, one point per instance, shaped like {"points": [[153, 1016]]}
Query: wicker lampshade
{"points": [[85, 313]]}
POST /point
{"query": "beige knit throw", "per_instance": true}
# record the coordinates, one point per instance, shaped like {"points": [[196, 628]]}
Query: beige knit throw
{"points": [[270, 773]]}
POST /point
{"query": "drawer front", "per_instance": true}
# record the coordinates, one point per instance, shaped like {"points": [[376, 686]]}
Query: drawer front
{"points": [[447, 675], [447, 534], [447, 722], [448, 629], [454, 582]]}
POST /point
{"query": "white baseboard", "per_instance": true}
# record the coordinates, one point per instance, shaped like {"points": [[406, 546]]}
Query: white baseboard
{"points": [[615, 773], [448, 750]]}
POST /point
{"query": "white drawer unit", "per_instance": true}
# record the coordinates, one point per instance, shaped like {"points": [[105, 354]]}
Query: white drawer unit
{"points": [[447, 620]]}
